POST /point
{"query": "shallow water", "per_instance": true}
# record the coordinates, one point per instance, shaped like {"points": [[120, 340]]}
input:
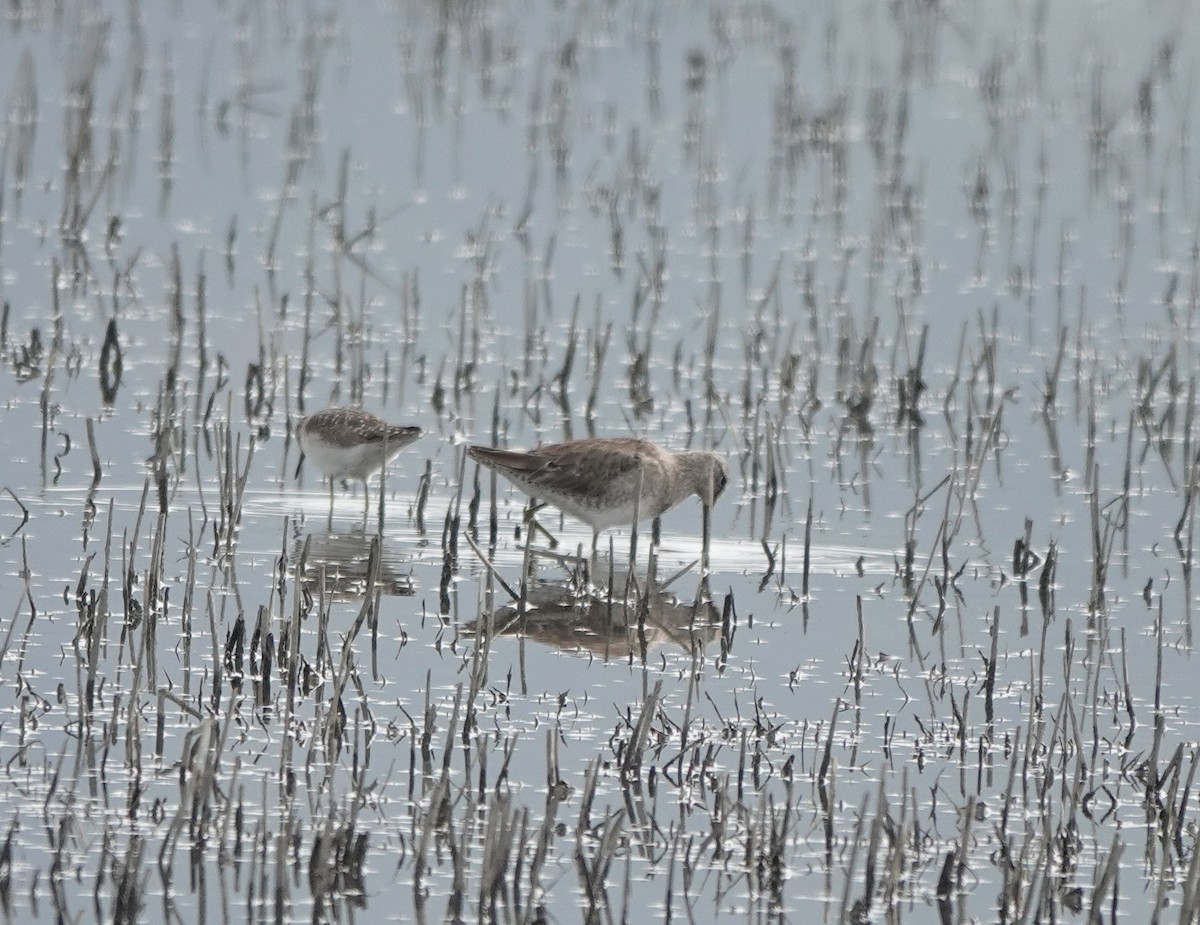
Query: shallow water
{"points": [[930, 270]]}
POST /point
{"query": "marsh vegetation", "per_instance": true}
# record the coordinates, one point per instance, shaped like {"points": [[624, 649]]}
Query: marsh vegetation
{"points": [[925, 276]]}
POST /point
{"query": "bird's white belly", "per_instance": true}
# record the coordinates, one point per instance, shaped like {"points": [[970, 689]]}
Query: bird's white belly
{"points": [[601, 517], [344, 462]]}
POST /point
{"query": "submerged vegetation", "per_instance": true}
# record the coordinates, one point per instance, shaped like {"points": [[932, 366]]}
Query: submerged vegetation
{"points": [[926, 277]]}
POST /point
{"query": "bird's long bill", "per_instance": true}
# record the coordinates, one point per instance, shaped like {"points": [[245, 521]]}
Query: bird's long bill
{"points": [[299, 464]]}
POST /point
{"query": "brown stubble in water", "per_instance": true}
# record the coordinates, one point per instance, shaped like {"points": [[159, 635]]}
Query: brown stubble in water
{"points": [[473, 844]]}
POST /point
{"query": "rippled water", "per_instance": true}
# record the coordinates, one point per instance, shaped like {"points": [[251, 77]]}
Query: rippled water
{"points": [[927, 277]]}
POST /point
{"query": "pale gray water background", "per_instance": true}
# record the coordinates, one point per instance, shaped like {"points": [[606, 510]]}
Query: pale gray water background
{"points": [[783, 178]]}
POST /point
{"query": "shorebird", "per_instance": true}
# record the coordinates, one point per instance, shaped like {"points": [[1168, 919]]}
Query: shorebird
{"points": [[348, 443], [597, 479]]}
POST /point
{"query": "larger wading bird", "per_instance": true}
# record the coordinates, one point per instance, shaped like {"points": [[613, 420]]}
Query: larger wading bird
{"points": [[609, 481]]}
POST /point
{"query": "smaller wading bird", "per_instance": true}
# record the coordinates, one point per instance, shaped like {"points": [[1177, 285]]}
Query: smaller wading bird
{"points": [[348, 443], [597, 479]]}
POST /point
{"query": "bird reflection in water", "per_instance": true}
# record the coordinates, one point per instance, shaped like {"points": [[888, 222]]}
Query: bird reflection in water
{"points": [[562, 618], [338, 565]]}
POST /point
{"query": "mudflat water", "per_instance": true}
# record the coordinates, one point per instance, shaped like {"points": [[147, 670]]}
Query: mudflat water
{"points": [[927, 277]]}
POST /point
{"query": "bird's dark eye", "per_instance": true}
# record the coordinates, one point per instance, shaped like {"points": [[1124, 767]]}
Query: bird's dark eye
{"points": [[719, 485]]}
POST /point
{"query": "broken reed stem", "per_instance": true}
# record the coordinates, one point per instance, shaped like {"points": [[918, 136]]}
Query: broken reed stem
{"points": [[95, 456], [989, 684], [491, 569], [26, 580], [1125, 686], [1107, 881], [850, 878], [807, 549], [632, 762], [424, 485], [45, 406], [859, 650]]}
